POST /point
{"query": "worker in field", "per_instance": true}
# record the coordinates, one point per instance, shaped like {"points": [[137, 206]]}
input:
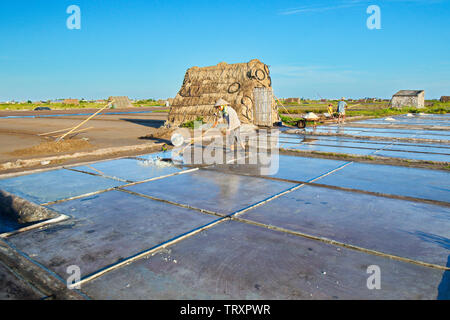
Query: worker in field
{"points": [[342, 105], [330, 110], [227, 113]]}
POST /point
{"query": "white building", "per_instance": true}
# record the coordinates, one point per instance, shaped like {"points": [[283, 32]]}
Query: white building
{"points": [[409, 98]]}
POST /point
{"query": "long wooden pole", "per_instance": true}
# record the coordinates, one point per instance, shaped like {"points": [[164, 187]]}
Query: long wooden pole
{"points": [[77, 131], [281, 104], [56, 131], [79, 125]]}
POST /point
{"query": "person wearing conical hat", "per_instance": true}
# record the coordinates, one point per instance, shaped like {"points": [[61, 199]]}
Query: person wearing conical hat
{"points": [[227, 113]]}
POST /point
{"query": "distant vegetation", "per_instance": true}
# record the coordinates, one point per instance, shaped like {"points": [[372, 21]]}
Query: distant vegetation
{"points": [[378, 109], [147, 103], [58, 106], [83, 104], [438, 109]]}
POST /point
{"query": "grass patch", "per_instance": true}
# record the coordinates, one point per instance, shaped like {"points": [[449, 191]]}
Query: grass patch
{"points": [[193, 124], [292, 121], [289, 120]]}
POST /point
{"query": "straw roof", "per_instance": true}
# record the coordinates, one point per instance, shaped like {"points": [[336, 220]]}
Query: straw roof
{"points": [[121, 102], [203, 87]]}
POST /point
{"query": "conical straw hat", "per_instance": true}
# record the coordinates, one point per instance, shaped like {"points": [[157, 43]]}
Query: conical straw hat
{"points": [[221, 102]]}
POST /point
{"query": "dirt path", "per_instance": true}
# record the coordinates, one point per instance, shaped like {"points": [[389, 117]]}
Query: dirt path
{"points": [[108, 131], [27, 113]]}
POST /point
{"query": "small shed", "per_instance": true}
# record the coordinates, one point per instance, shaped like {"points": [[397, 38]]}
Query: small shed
{"points": [[409, 98], [246, 86], [292, 100], [71, 101], [120, 102]]}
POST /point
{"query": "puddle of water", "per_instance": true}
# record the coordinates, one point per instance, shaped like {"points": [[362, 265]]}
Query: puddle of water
{"points": [[234, 260], [132, 169], [434, 136], [284, 167], [55, 185], [413, 156], [403, 228], [384, 132], [362, 147], [105, 228], [341, 149], [212, 190], [425, 120], [401, 181]]}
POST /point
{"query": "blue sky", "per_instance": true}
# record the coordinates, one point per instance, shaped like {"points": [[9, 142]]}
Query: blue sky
{"points": [[142, 48]]}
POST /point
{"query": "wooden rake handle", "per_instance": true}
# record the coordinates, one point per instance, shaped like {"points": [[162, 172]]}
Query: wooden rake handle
{"points": [[83, 122]]}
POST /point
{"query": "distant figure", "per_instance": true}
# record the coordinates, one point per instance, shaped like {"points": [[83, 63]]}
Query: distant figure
{"points": [[330, 110], [234, 124], [342, 105]]}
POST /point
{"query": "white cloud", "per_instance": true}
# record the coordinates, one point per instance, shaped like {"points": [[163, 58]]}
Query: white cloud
{"points": [[336, 5], [306, 9]]}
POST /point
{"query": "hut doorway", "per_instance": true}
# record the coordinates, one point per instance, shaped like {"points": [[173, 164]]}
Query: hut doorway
{"points": [[263, 98]]}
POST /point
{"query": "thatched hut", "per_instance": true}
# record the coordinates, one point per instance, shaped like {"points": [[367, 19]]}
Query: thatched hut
{"points": [[120, 102], [246, 86], [71, 101], [445, 99], [292, 100]]}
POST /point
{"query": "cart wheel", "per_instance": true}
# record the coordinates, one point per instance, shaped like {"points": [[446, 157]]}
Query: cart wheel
{"points": [[301, 123]]}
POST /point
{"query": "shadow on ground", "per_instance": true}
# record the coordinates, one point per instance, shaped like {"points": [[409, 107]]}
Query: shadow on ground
{"points": [[444, 286], [148, 123]]}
